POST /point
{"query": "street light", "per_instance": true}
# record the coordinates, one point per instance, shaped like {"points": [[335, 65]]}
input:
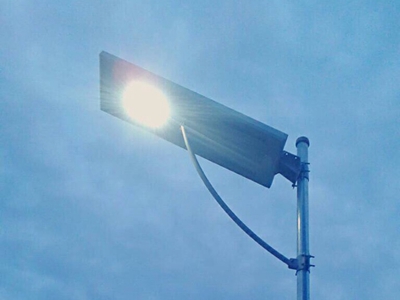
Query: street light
{"points": [[215, 132]]}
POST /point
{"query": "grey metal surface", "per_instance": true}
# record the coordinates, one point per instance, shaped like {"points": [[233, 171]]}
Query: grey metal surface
{"points": [[303, 251], [218, 133]]}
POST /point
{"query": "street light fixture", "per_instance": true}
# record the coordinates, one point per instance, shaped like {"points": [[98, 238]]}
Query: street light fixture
{"points": [[215, 132]]}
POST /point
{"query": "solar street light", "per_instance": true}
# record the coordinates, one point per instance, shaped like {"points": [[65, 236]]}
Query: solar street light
{"points": [[220, 134], [215, 132]]}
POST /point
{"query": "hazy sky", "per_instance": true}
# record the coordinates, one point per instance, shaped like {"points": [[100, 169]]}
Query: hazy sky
{"points": [[94, 208]]}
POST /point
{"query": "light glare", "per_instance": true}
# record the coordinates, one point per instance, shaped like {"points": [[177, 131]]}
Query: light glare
{"points": [[146, 104]]}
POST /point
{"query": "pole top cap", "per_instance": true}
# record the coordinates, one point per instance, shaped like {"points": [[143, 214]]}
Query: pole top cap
{"points": [[302, 139]]}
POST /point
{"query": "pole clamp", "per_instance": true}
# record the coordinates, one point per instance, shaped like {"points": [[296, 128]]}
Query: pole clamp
{"points": [[303, 174], [305, 170], [302, 262]]}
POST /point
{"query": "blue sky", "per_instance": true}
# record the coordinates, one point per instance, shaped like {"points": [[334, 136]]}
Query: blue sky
{"points": [[93, 208]]}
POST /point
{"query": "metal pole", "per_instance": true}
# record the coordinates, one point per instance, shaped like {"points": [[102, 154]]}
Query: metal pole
{"points": [[303, 252]]}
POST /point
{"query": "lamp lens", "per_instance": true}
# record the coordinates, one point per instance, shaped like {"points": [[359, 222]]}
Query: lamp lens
{"points": [[146, 104]]}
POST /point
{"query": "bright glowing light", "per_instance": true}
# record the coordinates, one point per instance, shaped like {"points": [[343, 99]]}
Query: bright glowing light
{"points": [[146, 104]]}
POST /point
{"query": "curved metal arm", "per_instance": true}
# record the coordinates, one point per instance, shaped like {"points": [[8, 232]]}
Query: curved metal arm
{"points": [[291, 263]]}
